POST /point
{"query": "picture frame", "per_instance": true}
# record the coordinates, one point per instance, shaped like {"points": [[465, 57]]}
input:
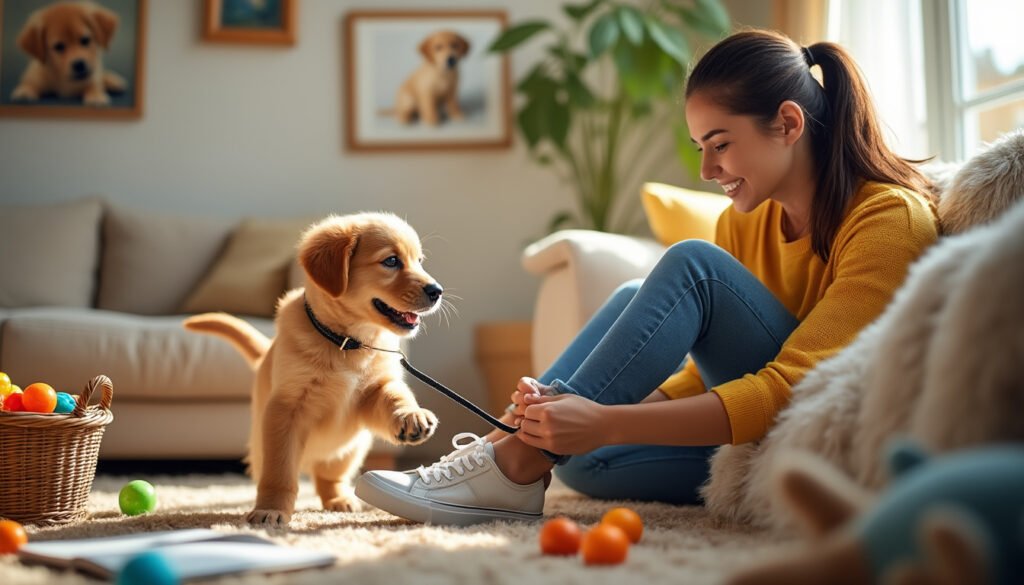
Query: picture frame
{"points": [[98, 74], [397, 63], [254, 22]]}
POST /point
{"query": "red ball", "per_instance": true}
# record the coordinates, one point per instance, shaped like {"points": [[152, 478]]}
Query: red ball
{"points": [[13, 403]]}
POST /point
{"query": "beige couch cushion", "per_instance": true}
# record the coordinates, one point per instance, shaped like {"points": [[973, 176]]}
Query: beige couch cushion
{"points": [[151, 261], [147, 358], [252, 273], [50, 254]]}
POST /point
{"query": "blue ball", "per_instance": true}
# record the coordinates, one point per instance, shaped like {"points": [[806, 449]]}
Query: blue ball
{"points": [[148, 568], [65, 403]]}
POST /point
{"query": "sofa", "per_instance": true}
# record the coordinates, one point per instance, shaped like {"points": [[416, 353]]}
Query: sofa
{"points": [[87, 287], [579, 269]]}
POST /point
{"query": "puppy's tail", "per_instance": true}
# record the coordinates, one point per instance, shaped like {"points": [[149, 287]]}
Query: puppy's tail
{"points": [[248, 340]]}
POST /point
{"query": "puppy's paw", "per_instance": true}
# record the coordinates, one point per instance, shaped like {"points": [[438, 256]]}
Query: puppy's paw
{"points": [[96, 98], [413, 426], [24, 93], [343, 504], [268, 518], [114, 83]]}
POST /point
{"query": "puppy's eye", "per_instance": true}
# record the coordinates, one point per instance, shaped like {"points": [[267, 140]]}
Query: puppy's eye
{"points": [[85, 41], [392, 262], [59, 47]]}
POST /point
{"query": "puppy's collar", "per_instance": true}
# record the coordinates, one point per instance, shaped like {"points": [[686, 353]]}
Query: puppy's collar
{"points": [[343, 342]]}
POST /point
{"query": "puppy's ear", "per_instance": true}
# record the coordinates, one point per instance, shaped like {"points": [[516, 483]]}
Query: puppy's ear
{"points": [[104, 23], [463, 45], [425, 47], [32, 39], [325, 255]]}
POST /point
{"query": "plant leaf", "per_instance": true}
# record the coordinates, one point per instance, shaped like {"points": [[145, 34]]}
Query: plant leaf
{"points": [[516, 35], [578, 12], [531, 123], [580, 95], [559, 219], [603, 34], [573, 61], [707, 17], [671, 40], [689, 156], [632, 24], [716, 15], [559, 117]]}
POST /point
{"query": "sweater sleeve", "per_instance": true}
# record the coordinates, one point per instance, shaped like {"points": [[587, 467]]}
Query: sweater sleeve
{"points": [[870, 257]]}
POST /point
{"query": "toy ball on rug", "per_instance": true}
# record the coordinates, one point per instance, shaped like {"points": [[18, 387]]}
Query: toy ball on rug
{"points": [[148, 568], [950, 520], [137, 497]]}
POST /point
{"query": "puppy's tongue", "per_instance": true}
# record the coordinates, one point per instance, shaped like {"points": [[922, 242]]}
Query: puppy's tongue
{"points": [[411, 318]]}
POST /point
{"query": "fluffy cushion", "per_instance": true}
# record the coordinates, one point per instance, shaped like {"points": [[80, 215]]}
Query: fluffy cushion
{"points": [[675, 214], [152, 261], [252, 272], [50, 254]]}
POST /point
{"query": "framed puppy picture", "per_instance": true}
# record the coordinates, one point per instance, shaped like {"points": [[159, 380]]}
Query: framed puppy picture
{"points": [[72, 59], [424, 81], [258, 22]]}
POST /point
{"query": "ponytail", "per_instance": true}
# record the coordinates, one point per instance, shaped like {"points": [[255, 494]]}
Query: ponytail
{"points": [[753, 72]]}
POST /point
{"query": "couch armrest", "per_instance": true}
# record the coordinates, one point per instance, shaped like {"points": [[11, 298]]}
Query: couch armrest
{"points": [[579, 270]]}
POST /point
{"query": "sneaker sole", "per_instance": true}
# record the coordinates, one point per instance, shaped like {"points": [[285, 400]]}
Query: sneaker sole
{"points": [[381, 495]]}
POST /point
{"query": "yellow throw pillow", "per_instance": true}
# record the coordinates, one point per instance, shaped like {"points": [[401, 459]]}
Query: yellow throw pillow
{"points": [[252, 272], [675, 214]]}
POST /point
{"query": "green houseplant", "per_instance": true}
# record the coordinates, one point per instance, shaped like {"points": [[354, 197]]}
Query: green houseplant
{"points": [[611, 76]]}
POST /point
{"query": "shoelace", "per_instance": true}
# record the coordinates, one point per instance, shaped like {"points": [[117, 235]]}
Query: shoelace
{"points": [[466, 457]]}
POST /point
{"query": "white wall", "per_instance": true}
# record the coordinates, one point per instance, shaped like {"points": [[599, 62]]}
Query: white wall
{"points": [[251, 131]]}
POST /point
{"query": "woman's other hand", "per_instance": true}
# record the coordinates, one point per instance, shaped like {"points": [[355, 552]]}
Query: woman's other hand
{"points": [[527, 386], [566, 424]]}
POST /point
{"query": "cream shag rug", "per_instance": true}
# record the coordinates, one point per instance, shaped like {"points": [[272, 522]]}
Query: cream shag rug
{"points": [[679, 545]]}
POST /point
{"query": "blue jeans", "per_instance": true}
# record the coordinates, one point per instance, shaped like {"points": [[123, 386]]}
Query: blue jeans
{"points": [[698, 300]]}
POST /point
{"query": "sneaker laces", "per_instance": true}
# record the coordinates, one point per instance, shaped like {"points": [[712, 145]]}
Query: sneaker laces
{"points": [[465, 457]]}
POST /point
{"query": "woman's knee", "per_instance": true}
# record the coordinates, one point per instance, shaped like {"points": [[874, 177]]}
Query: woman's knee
{"points": [[693, 250], [627, 290]]}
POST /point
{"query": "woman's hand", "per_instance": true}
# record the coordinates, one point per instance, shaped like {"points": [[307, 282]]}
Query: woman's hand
{"points": [[566, 424], [526, 386]]}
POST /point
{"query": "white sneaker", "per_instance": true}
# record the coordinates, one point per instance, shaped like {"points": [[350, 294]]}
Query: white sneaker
{"points": [[465, 487]]}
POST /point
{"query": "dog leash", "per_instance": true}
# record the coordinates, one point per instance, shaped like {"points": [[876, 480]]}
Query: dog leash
{"points": [[345, 343]]}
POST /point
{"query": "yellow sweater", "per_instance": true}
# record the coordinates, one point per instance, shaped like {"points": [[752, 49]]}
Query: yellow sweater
{"points": [[886, 228]]}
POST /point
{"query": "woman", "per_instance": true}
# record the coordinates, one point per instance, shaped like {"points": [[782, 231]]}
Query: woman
{"points": [[824, 222]]}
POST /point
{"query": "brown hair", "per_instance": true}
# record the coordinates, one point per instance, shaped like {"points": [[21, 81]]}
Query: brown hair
{"points": [[753, 72]]}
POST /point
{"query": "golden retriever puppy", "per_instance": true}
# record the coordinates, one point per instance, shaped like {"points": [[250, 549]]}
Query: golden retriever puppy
{"points": [[435, 84], [66, 42], [320, 391]]}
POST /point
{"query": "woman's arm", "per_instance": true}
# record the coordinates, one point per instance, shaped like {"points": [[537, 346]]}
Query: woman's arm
{"points": [[696, 420], [570, 424]]}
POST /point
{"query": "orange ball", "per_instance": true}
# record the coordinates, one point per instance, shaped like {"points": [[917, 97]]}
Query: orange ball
{"points": [[626, 519], [604, 544], [12, 537], [560, 536], [39, 397]]}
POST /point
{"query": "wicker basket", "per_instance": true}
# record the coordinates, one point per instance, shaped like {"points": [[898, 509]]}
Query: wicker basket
{"points": [[48, 461]]}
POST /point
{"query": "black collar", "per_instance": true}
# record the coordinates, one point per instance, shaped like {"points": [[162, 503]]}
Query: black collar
{"points": [[343, 342]]}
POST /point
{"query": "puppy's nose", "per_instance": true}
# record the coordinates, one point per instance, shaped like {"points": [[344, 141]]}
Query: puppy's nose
{"points": [[452, 61], [79, 66], [433, 291]]}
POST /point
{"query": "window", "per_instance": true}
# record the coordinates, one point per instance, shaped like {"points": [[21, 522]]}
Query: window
{"points": [[947, 75]]}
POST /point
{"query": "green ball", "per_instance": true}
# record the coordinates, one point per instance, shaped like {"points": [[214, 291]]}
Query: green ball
{"points": [[137, 497]]}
